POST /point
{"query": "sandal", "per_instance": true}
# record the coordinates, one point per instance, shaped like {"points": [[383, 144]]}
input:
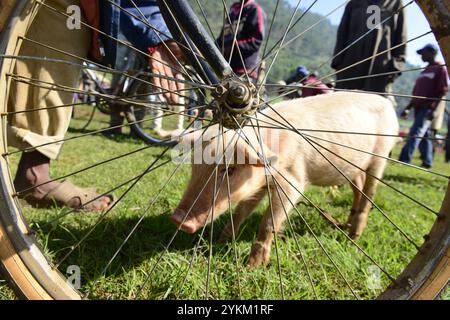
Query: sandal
{"points": [[64, 194]]}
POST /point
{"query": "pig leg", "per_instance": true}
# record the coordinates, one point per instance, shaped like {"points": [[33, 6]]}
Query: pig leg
{"points": [[243, 210], [360, 217], [358, 184], [271, 223]]}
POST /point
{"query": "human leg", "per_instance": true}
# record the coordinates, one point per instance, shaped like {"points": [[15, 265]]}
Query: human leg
{"points": [[40, 132], [417, 132]]}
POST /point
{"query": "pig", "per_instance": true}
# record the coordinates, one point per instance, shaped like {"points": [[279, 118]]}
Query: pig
{"points": [[290, 157]]}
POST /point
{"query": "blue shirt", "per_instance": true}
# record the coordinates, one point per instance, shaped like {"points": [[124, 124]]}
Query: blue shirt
{"points": [[139, 25]]}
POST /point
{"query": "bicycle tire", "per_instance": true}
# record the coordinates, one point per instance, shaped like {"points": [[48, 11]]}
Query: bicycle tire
{"points": [[33, 277], [136, 126]]}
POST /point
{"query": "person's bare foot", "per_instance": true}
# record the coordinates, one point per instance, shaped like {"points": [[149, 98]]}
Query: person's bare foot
{"points": [[33, 182]]}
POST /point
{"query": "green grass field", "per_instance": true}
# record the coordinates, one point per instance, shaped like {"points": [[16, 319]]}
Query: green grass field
{"points": [[229, 277]]}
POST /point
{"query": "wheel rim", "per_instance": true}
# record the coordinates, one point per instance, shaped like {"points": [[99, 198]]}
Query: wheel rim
{"points": [[408, 283]]}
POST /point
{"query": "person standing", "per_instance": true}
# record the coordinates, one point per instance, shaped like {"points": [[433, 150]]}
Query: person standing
{"points": [[433, 84], [249, 37], [41, 132], [382, 47], [436, 125]]}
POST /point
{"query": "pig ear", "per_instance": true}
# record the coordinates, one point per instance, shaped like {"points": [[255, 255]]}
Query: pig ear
{"points": [[254, 153]]}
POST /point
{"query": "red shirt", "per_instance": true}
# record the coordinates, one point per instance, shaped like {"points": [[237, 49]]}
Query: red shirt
{"points": [[314, 87], [432, 83]]}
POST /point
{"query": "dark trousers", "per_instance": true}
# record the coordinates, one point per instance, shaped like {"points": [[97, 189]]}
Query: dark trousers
{"points": [[419, 130]]}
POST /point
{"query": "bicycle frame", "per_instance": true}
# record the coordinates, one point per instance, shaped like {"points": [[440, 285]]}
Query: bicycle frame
{"points": [[178, 15]]}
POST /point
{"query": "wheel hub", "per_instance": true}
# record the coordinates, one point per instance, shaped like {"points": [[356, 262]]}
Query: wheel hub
{"points": [[236, 101]]}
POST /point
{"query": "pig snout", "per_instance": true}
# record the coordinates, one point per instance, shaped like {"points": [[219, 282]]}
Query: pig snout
{"points": [[188, 224]]}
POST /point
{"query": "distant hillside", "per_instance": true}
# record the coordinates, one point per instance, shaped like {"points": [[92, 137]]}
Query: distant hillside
{"points": [[312, 48]]}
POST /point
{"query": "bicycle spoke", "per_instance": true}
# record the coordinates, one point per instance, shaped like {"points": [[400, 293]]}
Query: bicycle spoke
{"points": [[171, 52], [282, 46], [68, 105], [109, 191], [369, 174], [345, 234], [235, 31], [182, 222], [302, 256], [211, 234], [350, 181], [354, 42], [124, 155], [261, 155], [122, 184], [122, 99], [269, 194], [171, 267], [233, 232], [145, 214], [17, 193], [158, 32], [367, 33], [23, 79], [379, 93], [91, 65], [191, 261], [281, 43], [200, 238], [324, 215], [374, 75], [86, 135], [284, 127], [269, 33], [377, 54], [200, 6], [281, 126], [110, 37], [103, 216], [267, 165]]}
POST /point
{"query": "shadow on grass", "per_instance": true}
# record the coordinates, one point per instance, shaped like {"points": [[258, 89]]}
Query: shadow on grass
{"points": [[108, 134], [432, 181], [120, 137], [150, 241]]}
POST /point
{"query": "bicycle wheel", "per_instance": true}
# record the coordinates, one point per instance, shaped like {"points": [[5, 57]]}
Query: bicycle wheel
{"points": [[406, 254], [167, 120], [99, 83]]}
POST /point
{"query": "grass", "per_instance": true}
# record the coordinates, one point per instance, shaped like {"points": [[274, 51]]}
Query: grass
{"points": [[144, 254]]}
